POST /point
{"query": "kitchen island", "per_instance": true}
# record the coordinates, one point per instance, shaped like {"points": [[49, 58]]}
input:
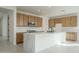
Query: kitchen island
{"points": [[38, 41]]}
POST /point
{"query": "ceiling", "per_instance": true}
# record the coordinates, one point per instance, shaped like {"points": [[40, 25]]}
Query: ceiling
{"points": [[3, 12], [38, 10], [49, 10]]}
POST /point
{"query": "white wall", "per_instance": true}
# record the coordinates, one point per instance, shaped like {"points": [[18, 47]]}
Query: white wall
{"points": [[5, 26], [11, 11], [57, 10], [24, 29], [45, 23], [8, 7], [12, 27], [70, 29], [78, 27], [0, 26], [28, 13]]}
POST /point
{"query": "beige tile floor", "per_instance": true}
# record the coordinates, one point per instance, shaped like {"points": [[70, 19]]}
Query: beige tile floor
{"points": [[61, 49], [6, 47], [68, 47]]}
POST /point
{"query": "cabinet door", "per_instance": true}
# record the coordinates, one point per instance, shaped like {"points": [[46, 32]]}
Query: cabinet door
{"points": [[73, 21], [71, 36], [68, 22], [31, 18], [39, 22], [19, 19], [57, 21], [51, 23], [36, 21], [25, 20], [63, 21], [19, 38]]}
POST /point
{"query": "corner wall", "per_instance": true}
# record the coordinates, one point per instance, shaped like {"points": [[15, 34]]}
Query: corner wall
{"points": [[78, 27], [12, 27]]}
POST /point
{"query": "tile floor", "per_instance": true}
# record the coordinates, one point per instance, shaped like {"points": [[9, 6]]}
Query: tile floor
{"points": [[6, 47], [67, 47], [61, 49]]}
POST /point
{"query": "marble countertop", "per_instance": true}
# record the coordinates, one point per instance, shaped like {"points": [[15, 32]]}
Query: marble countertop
{"points": [[42, 32]]}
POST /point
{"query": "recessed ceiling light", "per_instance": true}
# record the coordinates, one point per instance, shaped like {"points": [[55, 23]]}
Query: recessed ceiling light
{"points": [[38, 10], [50, 6], [62, 10]]}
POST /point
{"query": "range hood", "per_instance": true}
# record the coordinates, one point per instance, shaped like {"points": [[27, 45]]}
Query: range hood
{"points": [[31, 24]]}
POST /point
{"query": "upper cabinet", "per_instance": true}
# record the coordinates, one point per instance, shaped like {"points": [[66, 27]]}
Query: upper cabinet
{"points": [[19, 20], [51, 23], [67, 21], [63, 21], [23, 20], [39, 22], [70, 21], [31, 18], [73, 21], [57, 20]]}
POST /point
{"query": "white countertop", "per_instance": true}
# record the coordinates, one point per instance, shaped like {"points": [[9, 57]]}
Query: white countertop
{"points": [[42, 32]]}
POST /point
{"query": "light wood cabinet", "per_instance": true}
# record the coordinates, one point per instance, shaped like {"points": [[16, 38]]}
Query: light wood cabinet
{"points": [[63, 21], [31, 18], [68, 20], [39, 22], [57, 20], [71, 36], [19, 37], [73, 21], [25, 20], [51, 23], [19, 19], [22, 20]]}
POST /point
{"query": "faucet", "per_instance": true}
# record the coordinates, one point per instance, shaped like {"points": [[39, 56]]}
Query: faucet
{"points": [[52, 29]]}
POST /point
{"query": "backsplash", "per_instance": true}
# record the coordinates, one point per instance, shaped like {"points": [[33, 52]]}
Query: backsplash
{"points": [[24, 29]]}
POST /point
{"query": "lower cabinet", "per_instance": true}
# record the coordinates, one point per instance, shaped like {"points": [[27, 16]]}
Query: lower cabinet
{"points": [[19, 37], [71, 36]]}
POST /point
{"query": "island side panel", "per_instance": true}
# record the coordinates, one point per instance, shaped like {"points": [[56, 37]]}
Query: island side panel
{"points": [[47, 40], [29, 43]]}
